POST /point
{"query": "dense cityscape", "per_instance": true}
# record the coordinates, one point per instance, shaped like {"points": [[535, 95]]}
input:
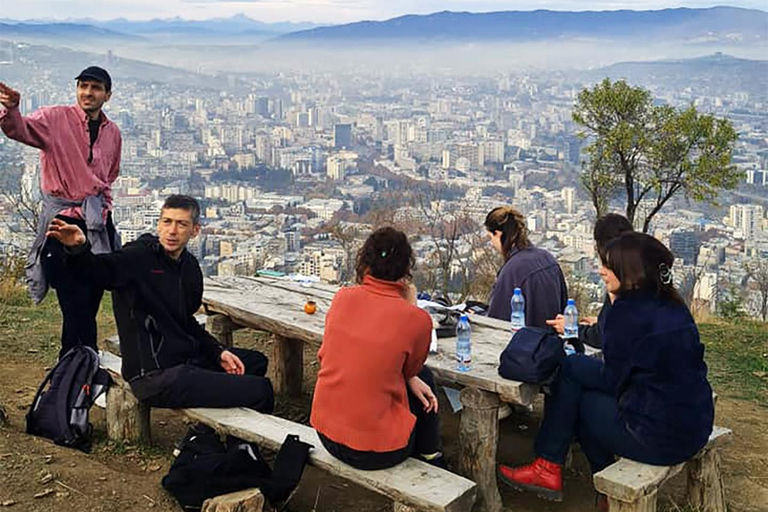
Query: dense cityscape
{"points": [[294, 169]]}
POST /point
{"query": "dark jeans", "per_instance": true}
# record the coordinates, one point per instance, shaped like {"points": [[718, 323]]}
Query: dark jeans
{"points": [[78, 298], [424, 440], [582, 405], [204, 384]]}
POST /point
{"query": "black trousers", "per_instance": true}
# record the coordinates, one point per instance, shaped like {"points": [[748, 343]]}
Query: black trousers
{"points": [[79, 299], [204, 384], [424, 440]]}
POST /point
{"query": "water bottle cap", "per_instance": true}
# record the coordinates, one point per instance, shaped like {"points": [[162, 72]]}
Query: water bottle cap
{"points": [[464, 318], [518, 291], [571, 302]]}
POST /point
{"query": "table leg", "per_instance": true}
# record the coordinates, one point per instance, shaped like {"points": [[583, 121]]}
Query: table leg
{"points": [[478, 440], [220, 327], [288, 364]]}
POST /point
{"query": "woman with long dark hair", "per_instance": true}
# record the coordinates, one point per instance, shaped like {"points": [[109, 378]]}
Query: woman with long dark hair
{"points": [[533, 270], [649, 400], [374, 403]]}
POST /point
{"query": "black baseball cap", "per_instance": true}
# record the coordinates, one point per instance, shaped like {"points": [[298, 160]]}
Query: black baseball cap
{"points": [[98, 74]]}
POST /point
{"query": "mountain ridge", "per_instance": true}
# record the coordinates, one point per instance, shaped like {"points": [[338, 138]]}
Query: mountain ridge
{"points": [[679, 23]]}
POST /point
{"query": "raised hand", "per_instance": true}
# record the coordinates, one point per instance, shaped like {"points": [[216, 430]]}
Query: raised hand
{"points": [[68, 234], [9, 98]]}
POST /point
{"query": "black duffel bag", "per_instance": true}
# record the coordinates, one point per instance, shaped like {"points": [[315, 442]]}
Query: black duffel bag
{"points": [[533, 355]]}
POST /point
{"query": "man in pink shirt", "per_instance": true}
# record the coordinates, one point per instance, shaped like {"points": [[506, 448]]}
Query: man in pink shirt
{"points": [[80, 159]]}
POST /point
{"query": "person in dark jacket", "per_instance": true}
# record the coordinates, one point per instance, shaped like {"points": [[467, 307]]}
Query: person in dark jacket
{"points": [[169, 359], [533, 270], [607, 227], [650, 400]]}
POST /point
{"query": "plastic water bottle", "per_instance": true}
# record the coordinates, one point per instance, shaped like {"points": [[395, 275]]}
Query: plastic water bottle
{"points": [[571, 314], [571, 328], [517, 306], [463, 344]]}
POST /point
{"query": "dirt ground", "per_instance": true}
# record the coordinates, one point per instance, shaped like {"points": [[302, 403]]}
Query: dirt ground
{"points": [[36, 475]]}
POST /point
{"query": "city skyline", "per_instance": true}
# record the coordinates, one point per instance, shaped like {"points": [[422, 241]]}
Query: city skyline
{"points": [[319, 11]]}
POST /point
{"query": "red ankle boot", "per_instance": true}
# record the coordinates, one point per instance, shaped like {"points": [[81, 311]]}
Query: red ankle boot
{"points": [[542, 477], [601, 502]]}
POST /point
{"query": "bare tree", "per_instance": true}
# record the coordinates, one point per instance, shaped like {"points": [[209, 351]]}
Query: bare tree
{"points": [[486, 262], [348, 236], [757, 271], [23, 203], [445, 231]]}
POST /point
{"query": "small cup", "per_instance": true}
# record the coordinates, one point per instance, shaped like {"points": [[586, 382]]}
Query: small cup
{"points": [[310, 307]]}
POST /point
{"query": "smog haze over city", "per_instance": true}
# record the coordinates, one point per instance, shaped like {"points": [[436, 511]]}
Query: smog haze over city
{"points": [[300, 126]]}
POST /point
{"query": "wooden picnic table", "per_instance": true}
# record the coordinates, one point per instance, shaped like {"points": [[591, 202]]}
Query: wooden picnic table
{"points": [[277, 306]]}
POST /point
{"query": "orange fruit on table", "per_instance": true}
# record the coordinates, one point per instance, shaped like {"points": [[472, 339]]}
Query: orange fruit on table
{"points": [[310, 307]]}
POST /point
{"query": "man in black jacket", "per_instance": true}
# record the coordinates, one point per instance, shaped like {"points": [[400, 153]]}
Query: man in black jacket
{"points": [[168, 358], [607, 228]]}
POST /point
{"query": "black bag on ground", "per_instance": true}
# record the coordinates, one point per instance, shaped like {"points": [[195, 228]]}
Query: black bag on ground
{"points": [[206, 468], [60, 412], [532, 355]]}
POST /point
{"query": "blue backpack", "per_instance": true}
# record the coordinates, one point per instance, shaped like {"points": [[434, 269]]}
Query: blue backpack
{"points": [[60, 412], [533, 355]]}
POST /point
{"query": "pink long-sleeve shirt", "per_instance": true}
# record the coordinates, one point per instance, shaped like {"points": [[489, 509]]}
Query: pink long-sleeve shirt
{"points": [[61, 133]]}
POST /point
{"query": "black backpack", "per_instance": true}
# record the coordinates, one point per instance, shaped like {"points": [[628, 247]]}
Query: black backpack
{"points": [[533, 355], [60, 413], [205, 467]]}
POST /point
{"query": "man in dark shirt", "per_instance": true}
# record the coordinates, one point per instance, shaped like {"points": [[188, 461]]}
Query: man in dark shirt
{"points": [[607, 228], [168, 358]]}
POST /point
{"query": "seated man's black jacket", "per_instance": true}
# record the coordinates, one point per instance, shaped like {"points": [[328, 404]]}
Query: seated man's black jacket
{"points": [[154, 299]]}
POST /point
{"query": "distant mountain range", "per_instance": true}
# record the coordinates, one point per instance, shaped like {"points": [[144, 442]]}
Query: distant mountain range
{"points": [[712, 75], [24, 63], [237, 28], [727, 25], [731, 24], [62, 31], [717, 63]]}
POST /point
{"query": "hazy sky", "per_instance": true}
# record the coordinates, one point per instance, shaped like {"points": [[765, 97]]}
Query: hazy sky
{"points": [[322, 11]]}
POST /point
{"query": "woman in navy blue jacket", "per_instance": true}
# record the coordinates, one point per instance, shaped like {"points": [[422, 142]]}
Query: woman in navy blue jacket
{"points": [[650, 400]]}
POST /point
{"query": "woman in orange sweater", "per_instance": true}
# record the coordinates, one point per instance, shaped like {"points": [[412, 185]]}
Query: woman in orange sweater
{"points": [[374, 403]]}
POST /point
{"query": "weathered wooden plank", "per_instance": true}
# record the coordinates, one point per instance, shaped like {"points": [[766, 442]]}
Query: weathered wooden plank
{"points": [[288, 364], [248, 500], [628, 480], [252, 302], [487, 345], [478, 437], [413, 482]]}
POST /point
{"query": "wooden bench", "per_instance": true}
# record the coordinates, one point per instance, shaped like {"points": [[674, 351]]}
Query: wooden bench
{"points": [[633, 487], [413, 485]]}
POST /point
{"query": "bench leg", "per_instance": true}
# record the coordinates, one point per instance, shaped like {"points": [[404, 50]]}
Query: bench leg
{"points": [[288, 364], [249, 500], [220, 327], [705, 483], [127, 418], [478, 440], [646, 503]]}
